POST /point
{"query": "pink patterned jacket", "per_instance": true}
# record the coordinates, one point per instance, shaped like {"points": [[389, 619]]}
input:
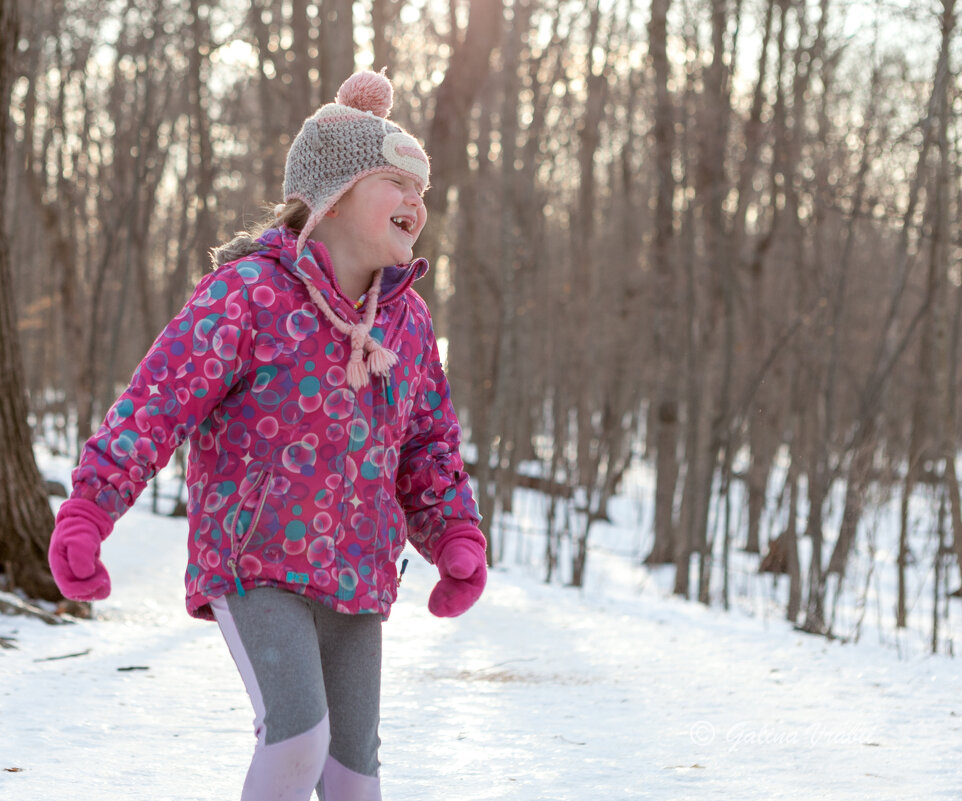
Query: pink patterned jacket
{"points": [[295, 480]]}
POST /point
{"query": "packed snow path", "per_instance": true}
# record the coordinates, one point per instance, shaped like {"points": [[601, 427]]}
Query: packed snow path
{"points": [[539, 693]]}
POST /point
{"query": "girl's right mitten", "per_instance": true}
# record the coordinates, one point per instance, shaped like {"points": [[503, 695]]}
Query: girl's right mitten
{"points": [[74, 553], [464, 572]]}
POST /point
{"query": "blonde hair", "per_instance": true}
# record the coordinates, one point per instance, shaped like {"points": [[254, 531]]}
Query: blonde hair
{"points": [[293, 214]]}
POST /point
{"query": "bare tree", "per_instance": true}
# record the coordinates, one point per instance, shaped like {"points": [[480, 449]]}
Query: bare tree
{"points": [[665, 262], [336, 45], [448, 135], [928, 437], [25, 517]]}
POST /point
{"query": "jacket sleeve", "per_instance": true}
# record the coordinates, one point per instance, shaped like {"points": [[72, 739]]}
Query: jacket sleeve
{"points": [[432, 485], [188, 370]]}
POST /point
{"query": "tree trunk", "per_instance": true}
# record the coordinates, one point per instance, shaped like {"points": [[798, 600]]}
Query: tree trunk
{"points": [[666, 314], [763, 439], [448, 136], [25, 517], [337, 45], [855, 485], [936, 335], [205, 229], [791, 547], [270, 169], [955, 509], [949, 445], [718, 338], [302, 100], [383, 15]]}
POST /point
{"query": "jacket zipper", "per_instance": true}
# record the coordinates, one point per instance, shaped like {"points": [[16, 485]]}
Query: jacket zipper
{"points": [[237, 548], [390, 335], [393, 327]]}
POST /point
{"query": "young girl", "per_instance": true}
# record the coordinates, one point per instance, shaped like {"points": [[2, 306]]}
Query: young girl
{"points": [[305, 372]]}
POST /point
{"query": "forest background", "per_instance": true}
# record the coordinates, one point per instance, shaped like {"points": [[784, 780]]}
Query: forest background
{"points": [[715, 240]]}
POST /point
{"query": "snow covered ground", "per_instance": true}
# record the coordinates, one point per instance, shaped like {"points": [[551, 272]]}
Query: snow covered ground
{"points": [[540, 693]]}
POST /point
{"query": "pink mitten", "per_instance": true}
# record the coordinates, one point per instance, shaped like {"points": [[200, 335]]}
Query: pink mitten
{"points": [[75, 550], [463, 570]]}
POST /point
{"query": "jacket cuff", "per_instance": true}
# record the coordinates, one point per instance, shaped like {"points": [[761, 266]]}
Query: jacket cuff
{"points": [[74, 508]]}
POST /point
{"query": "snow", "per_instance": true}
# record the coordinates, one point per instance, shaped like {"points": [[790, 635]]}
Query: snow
{"points": [[539, 693]]}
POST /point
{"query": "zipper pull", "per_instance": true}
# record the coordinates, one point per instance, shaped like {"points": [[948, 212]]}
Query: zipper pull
{"points": [[232, 564], [404, 566], [390, 401]]}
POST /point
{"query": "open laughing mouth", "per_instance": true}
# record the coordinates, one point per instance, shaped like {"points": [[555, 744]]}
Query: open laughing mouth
{"points": [[406, 224]]}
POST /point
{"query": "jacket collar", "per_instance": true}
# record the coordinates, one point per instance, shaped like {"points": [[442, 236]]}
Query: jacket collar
{"points": [[314, 265]]}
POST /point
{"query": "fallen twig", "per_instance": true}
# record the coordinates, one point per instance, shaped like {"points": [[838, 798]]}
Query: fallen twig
{"points": [[65, 656], [11, 604]]}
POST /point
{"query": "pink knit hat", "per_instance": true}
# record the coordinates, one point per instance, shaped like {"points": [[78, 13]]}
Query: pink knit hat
{"points": [[346, 140]]}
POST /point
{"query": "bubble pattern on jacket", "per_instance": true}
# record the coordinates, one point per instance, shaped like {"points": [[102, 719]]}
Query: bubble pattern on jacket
{"points": [[294, 479]]}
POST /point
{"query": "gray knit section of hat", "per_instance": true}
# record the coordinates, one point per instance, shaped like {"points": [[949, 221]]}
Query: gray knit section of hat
{"points": [[332, 152]]}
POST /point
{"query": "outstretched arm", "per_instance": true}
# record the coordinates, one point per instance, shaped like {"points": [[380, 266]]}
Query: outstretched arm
{"points": [[191, 366], [442, 517]]}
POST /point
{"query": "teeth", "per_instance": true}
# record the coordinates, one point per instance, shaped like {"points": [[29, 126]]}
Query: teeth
{"points": [[401, 222]]}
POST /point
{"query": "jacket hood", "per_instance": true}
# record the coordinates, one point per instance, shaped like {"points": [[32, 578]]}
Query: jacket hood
{"points": [[315, 266]]}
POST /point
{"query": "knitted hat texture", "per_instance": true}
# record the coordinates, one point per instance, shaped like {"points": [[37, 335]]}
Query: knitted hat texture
{"points": [[346, 140]]}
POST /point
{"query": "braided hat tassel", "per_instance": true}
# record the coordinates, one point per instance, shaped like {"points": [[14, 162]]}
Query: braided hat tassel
{"points": [[379, 360]]}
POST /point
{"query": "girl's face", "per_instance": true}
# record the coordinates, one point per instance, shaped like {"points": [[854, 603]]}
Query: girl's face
{"points": [[379, 220]]}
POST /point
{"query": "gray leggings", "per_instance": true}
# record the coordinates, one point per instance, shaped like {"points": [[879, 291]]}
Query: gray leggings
{"points": [[314, 679]]}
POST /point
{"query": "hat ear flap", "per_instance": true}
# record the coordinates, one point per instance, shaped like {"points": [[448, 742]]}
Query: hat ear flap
{"points": [[316, 216]]}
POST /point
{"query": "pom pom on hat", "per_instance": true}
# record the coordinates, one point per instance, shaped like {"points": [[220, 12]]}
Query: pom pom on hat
{"points": [[367, 91]]}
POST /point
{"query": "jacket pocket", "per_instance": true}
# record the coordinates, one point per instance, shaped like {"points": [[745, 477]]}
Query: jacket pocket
{"points": [[257, 496]]}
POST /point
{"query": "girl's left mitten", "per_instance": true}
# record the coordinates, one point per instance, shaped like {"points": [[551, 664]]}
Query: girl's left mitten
{"points": [[74, 553], [464, 572]]}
